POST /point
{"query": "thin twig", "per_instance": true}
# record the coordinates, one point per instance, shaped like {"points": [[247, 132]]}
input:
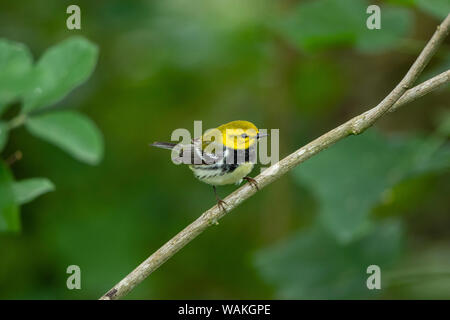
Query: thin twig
{"points": [[422, 89], [354, 126]]}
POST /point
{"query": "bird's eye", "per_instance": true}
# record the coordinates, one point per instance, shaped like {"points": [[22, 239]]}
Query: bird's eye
{"points": [[244, 135]]}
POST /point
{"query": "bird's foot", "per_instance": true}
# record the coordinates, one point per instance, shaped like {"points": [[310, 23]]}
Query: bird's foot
{"points": [[252, 182], [221, 204]]}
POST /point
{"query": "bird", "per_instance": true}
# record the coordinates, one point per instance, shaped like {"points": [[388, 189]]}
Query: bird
{"points": [[224, 155]]}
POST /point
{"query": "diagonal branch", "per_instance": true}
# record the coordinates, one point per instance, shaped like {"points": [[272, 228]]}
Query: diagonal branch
{"points": [[422, 89], [398, 97]]}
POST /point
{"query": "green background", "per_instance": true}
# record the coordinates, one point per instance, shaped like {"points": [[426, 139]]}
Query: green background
{"points": [[302, 67]]}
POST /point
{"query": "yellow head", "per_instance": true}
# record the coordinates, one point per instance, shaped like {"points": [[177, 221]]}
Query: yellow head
{"points": [[236, 134]]}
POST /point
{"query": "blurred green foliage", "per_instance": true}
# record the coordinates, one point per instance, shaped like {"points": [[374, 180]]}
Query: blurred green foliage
{"points": [[312, 265], [301, 66], [58, 71], [70, 131], [437, 8], [351, 178], [15, 63], [326, 23]]}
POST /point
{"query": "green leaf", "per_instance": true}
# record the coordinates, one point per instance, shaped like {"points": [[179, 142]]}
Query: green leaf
{"points": [[312, 79], [422, 274], [444, 123], [9, 211], [29, 189], [369, 165], [325, 23], [3, 134], [407, 3], [437, 8], [310, 25], [438, 160], [395, 25], [312, 265], [15, 65], [61, 69], [71, 131]]}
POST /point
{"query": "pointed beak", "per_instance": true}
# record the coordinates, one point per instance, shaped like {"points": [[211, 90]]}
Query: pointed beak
{"points": [[261, 135]]}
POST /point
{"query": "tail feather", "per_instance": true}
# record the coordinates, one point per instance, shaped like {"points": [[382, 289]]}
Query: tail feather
{"points": [[163, 145]]}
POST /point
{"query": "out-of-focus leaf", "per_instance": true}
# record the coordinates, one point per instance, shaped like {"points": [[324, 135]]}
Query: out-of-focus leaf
{"points": [[311, 26], [71, 131], [312, 265], [3, 134], [444, 124], [9, 211], [438, 160], [423, 274], [395, 25], [29, 189], [408, 3], [61, 69], [318, 85], [15, 65], [437, 8], [368, 165]]}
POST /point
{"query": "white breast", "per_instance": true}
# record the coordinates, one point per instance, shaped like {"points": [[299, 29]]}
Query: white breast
{"points": [[228, 178]]}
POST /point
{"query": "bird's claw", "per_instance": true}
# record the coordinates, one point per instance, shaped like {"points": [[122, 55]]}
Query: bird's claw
{"points": [[221, 204], [252, 182]]}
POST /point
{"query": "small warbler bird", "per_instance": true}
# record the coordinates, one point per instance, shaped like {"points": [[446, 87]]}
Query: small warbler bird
{"points": [[224, 155]]}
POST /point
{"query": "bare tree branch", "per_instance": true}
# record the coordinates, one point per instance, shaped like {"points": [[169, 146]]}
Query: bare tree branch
{"points": [[398, 97], [422, 89]]}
